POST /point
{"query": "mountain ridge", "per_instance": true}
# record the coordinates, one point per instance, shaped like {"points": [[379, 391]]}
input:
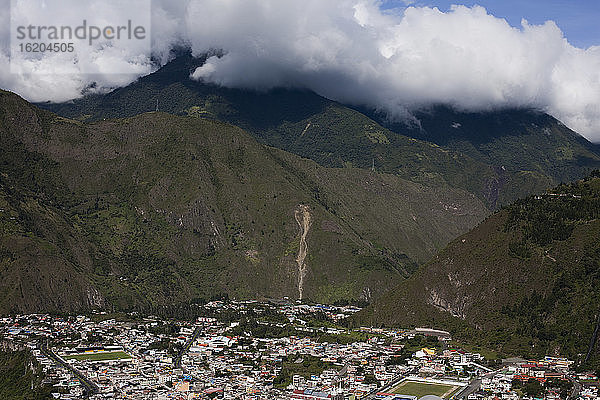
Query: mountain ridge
{"points": [[334, 135], [184, 208], [525, 281]]}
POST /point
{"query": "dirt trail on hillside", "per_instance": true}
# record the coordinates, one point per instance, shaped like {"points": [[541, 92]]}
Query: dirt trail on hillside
{"points": [[305, 129], [303, 218]]}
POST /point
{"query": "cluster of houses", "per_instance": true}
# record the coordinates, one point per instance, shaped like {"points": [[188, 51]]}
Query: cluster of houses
{"points": [[552, 376], [214, 357]]}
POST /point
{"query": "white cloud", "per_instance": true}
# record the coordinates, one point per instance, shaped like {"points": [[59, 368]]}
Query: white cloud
{"points": [[60, 76], [351, 51]]}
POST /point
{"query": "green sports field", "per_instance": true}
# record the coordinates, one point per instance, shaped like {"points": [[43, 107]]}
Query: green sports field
{"points": [[103, 356], [421, 389]]}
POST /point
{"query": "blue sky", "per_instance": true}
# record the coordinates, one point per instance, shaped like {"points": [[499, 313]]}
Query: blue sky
{"points": [[578, 19]]}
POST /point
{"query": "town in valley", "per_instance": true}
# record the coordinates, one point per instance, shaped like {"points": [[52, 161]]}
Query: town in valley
{"points": [[272, 350]]}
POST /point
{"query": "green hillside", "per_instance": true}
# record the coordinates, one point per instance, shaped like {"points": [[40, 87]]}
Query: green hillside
{"points": [[334, 135], [525, 281], [527, 148], [499, 156], [158, 209], [18, 373], [300, 122]]}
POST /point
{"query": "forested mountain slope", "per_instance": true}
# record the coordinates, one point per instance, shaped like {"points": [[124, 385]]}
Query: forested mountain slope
{"points": [[525, 281], [161, 209], [499, 155]]}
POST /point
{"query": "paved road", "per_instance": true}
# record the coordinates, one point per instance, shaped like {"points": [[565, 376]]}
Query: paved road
{"points": [[90, 387], [470, 388], [576, 389], [341, 374], [385, 388], [186, 347], [473, 386]]}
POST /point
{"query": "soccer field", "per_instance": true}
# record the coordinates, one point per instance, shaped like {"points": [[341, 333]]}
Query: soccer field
{"points": [[102, 356], [421, 389]]}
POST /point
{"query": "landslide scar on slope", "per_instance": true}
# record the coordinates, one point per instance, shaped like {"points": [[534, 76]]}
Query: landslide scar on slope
{"points": [[303, 218]]}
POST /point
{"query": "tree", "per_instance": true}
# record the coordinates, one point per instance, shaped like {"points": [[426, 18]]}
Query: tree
{"points": [[369, 379], [533, 388]]}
